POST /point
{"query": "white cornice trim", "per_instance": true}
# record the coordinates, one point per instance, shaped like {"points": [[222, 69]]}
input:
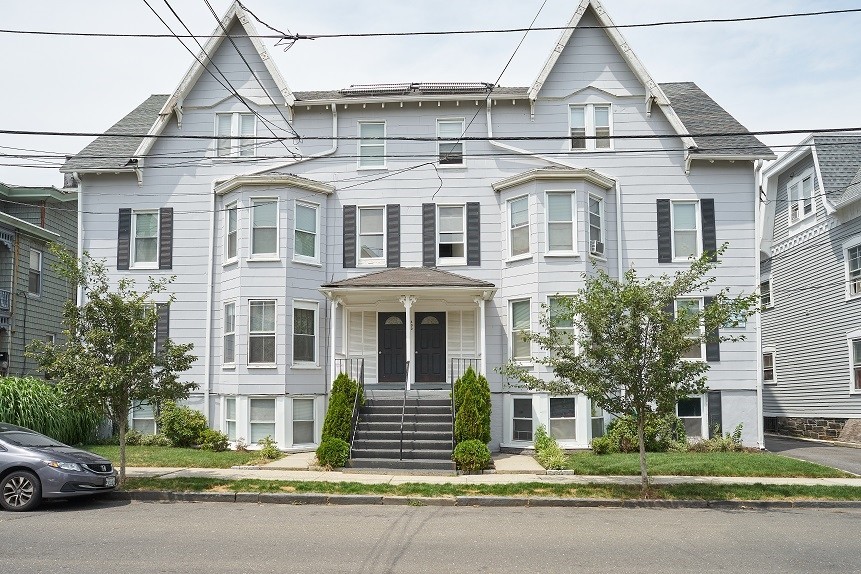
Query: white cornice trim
{"points": [[286, 179], [545, 174]]}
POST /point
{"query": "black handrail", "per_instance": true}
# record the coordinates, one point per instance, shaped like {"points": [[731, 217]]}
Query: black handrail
{"points": [[403, 411]]}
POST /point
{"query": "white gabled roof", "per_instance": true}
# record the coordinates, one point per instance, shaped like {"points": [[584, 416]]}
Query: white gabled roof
{"points": [[198, 66], [653, 90]]}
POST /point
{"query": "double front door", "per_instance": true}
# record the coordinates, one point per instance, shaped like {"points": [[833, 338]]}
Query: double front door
{"points": [[429, 357]]}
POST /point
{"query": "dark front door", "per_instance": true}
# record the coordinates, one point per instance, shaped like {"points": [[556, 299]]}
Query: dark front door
{"points": [[430, 347], [392, 343]]}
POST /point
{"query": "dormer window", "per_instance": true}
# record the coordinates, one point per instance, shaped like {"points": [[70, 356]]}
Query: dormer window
{"points": [[231, 131], [800, 193], [589, 121]]}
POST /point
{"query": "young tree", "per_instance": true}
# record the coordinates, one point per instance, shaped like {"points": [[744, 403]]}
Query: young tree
{"points": [[630, 338], [109, 358]]}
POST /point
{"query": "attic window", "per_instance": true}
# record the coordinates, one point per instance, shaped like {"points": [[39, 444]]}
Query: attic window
{"points": [[590, 121], [800, 192], [231, 131]]}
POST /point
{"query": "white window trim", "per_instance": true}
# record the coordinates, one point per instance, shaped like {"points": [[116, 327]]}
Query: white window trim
{"points": [[41, 266], [704, 431], [441, 143], [532, 411], [251, 421], [850, 337], [451, 261], [235, 144], [235, 420], [589, 120], [773, 352], [307, 305], [700, 302], [133, 263], [227, 208], [273, 333], [847, 245], [511, 331], [359, 145], [268, 256], [224, 333], [292, 420], [603, 219], [508, 206], [136, 405], [697, 223], [770, 281], [800, 202], [298, 258], [575, 418], [371, 261], [575, 252]]}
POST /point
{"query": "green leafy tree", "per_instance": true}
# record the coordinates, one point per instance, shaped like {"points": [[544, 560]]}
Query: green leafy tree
{"points": [[629, 339], [108, 360]]}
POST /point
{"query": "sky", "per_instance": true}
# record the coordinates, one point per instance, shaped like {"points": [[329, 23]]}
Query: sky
{"points": [[786, 74]]}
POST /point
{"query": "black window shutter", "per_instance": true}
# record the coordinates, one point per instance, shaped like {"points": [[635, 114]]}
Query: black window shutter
{"points": [[393, 235], [707, 214], [715, 414], [429, 234], [165, 238], [665, 232], [162, 326], [712, 342], [124, 234], [349, 236], [473, 233]]}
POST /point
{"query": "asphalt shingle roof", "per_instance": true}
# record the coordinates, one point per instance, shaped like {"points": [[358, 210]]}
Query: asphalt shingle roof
{"points": [[410, 277], [839, 158], [701, 114], [114, 152]]}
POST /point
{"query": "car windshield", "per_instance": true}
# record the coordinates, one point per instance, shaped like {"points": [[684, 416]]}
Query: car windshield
{"points": [[28, 439]]}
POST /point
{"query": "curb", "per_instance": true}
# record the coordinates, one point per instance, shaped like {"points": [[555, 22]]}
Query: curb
{"points": [[474, 501]]}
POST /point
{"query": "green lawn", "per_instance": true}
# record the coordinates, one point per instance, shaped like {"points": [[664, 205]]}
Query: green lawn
{"points": [[169, 456], [670, 492], [699, 464]]}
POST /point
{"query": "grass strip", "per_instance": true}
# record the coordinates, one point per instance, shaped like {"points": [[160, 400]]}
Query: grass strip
{"points": [[154, 456], [616, 491]]}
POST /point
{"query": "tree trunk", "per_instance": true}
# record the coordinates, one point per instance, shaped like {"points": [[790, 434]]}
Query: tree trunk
{"points": [[123, 425], [641, 424]]}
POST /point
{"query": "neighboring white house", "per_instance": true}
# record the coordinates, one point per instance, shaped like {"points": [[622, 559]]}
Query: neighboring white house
{"points": [[811, 285], [386, 244]]}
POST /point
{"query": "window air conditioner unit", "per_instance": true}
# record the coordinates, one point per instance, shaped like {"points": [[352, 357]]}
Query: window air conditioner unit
{"points": [[596, 247]]}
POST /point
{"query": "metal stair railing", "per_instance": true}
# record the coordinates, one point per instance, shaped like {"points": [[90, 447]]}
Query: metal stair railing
{"points": [[403, 411], [354, 420]]}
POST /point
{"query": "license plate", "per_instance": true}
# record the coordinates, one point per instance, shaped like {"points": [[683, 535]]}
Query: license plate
{"points": [[111, 481]]}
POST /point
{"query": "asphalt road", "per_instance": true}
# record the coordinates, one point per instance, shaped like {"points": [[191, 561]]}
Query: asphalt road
{"points": [[131, 537], [842, 457]]}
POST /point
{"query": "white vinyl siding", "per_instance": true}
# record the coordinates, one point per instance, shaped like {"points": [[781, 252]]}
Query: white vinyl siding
{"points": [[306, 233], [518, 223], [229, 346], [230, 128], [145, 239], [261, 332], [449, 147], [521, 349], [593, 121], [451, 235], [561, 223], [231, 232], [34, 279], [372, 145], [372, 236], [262, 419], [304, 333], [362, 341], [800, 193], [461, 338], [686, 230], [264, 227]]}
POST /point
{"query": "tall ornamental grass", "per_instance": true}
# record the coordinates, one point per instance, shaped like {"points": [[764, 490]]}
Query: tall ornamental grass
{"points": [[32, 403]]}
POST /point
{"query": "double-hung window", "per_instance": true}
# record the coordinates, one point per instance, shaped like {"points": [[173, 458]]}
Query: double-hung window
{"points": [[34, 283], [765, 299], [691, 412], [372, 236], [305, 247], [262, 419], [143, 418], [800, 193], [450, 146], [230, 417], [451, 238], [563, 323], [688, 307], [231, 232], [145, 238], [596, 226], [855, 358], [852, 256], [372, 145], [303, 421], [229, 350], [264, 227], [590, 121], [686, 231], [768, 376], [521, 349], [518, 223], [522, 419], [563, 418], [261, 332], [232, 129], [304, 332], [561, 222]]}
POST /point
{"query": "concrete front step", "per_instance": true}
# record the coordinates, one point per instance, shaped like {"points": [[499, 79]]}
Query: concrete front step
{"points": [[381, 464], [435, 454], [368, 443]]}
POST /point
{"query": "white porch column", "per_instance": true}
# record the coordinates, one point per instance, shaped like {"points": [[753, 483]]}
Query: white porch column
{"points": [[333, 312], [408, 301], [482, 334]]}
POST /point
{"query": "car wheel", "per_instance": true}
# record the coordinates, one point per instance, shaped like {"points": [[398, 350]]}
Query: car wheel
{"points": [[20, 491]]}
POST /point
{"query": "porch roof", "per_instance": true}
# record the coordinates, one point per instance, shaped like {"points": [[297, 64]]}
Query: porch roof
{"points": [[399, 277]]}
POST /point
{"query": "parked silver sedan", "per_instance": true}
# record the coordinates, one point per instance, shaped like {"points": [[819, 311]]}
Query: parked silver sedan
{"points": [[34, 466]]}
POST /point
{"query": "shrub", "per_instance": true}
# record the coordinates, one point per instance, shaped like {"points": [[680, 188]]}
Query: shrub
{"points": [[156, 439], [211, 439], [183, 426], [339, 415], [133, 437], [32, 403], [471, 455], [719, 443], [333, 452], [660, 434], [472, 407], [547, 450], [269, 450]]}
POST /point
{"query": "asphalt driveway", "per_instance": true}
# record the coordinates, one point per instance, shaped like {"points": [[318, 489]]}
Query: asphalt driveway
{"points": [[842, 457]]}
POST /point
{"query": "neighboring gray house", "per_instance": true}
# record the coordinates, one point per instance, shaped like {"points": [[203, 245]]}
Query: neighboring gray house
{"points": [[406, 260], [32, 295], [811, 286]]}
